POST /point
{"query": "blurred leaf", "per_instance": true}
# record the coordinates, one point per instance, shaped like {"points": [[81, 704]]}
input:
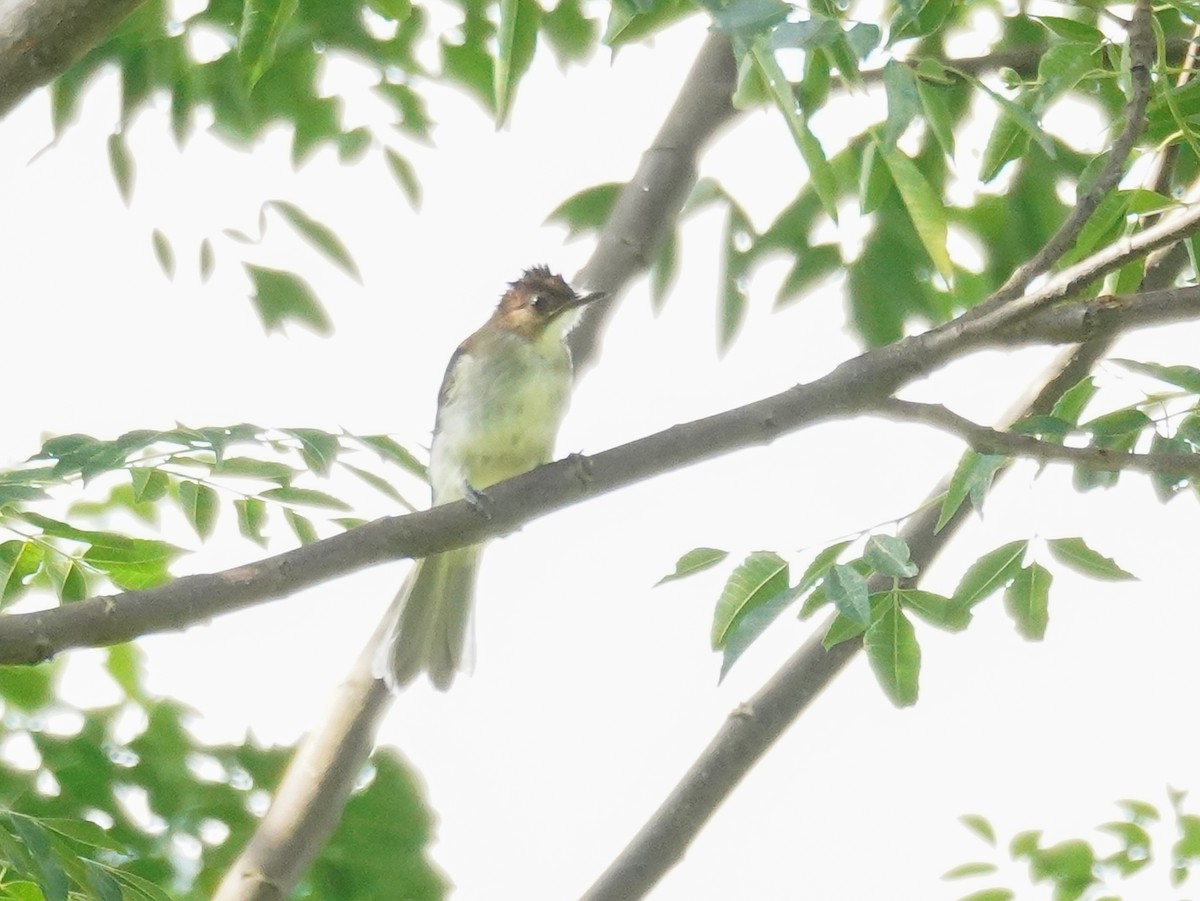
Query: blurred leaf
{"points": [[903, 100], [405, 175], [1185, 377], [967, 870], [517, 36], [924, 207], [121, 165], [390, 449], [570, 33], [124, 663], [18, 561], [1027, 601], [318, 235], [1070, 406], [163, 253], [1073, 30], [282, 297], [819, 171], [51, 878], [753, 582], [263, 21], [306, 496], [1075, 553], [820, 566], [891, 646], [980, 826], [206, 260], [694, 561], [148, 484], [587, 210]]}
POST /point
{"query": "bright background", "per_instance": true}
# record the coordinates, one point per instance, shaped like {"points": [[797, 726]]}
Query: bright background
{"points": [[592, 690]]}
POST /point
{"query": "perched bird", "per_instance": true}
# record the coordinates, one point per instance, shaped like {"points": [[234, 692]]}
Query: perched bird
{"points": [[503, 396]]}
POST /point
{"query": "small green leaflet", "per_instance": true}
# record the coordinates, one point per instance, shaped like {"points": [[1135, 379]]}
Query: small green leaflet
{"points": [[1027, 601], [404, 174], [924, 207], [748, 627], [694, 561], [756, 580], [848, 591], [263, 22], [820, 566], [319, 235], [282, 297], [895, 657], [889, 556], [587, 210], [1071, 405], [517, 34], [199, 503], [972, 478], [937, 610], [990, 573], [820, 173], [252, 516], [1185, 377], [121, 164], [980, 826], [1075, 553], [163, 253]]}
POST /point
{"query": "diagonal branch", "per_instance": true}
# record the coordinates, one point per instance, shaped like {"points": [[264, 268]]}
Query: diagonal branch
{"points": [[987, 440], [854, 387]]}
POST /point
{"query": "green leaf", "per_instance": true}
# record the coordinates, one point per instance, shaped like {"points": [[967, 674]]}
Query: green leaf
{"points": [[1185, 377], [990, 573], [980, 826], [696, 560], [27, 688], [756, 580], [380, 484], [301, 526], [889, 556], [319, 235], [1073, 30], [121, 165], [307, 496], [903, 100], [18, 561], [1075, 553], [132, 563], [199, 503], [207, 262], [935, 609], [163, 253], [967, 870], [148, 484], [318, 449], [124, 663], [972, 478], [70, 582], [848, 591], [923, 205], [587, 210], [747, 18], [406, 177], [1127, 421], [1168, 484], [84, 831], [571, 34], [820, 173], [252, 517], [874, 180], [990, 894], [390, 449], [747, 628], [281, 297], [1070, 406], [1027, 601], [895, 657], [51, 878], [263, 21], [517, 36], [254, 468], [820, 566], [937, 115]]}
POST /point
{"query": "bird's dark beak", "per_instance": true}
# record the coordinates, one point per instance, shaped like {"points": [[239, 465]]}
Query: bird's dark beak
{"points": [[589, 298]]}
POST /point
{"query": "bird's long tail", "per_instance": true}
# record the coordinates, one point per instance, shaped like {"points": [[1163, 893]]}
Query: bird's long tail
{"points": [[431, 631]]}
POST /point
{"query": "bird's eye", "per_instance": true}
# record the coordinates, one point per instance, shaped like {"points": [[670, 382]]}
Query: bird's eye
{"points": [[540, 303]]}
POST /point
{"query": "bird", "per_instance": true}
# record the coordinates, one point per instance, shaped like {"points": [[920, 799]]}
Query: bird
{"points": [[502, 399]]}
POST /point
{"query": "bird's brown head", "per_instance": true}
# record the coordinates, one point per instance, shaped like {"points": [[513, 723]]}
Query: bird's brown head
{"points": [[535, 300]]}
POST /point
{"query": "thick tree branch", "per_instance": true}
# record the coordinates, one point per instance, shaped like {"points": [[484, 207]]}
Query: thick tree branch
{"points": [[856, 386], [987, 440], [40, 39]]}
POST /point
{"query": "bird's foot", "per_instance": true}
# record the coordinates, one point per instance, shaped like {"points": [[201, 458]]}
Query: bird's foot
{"points": [[479, 500]]}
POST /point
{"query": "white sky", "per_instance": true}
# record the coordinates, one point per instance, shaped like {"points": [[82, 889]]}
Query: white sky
{"points": [[592, 692]]}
